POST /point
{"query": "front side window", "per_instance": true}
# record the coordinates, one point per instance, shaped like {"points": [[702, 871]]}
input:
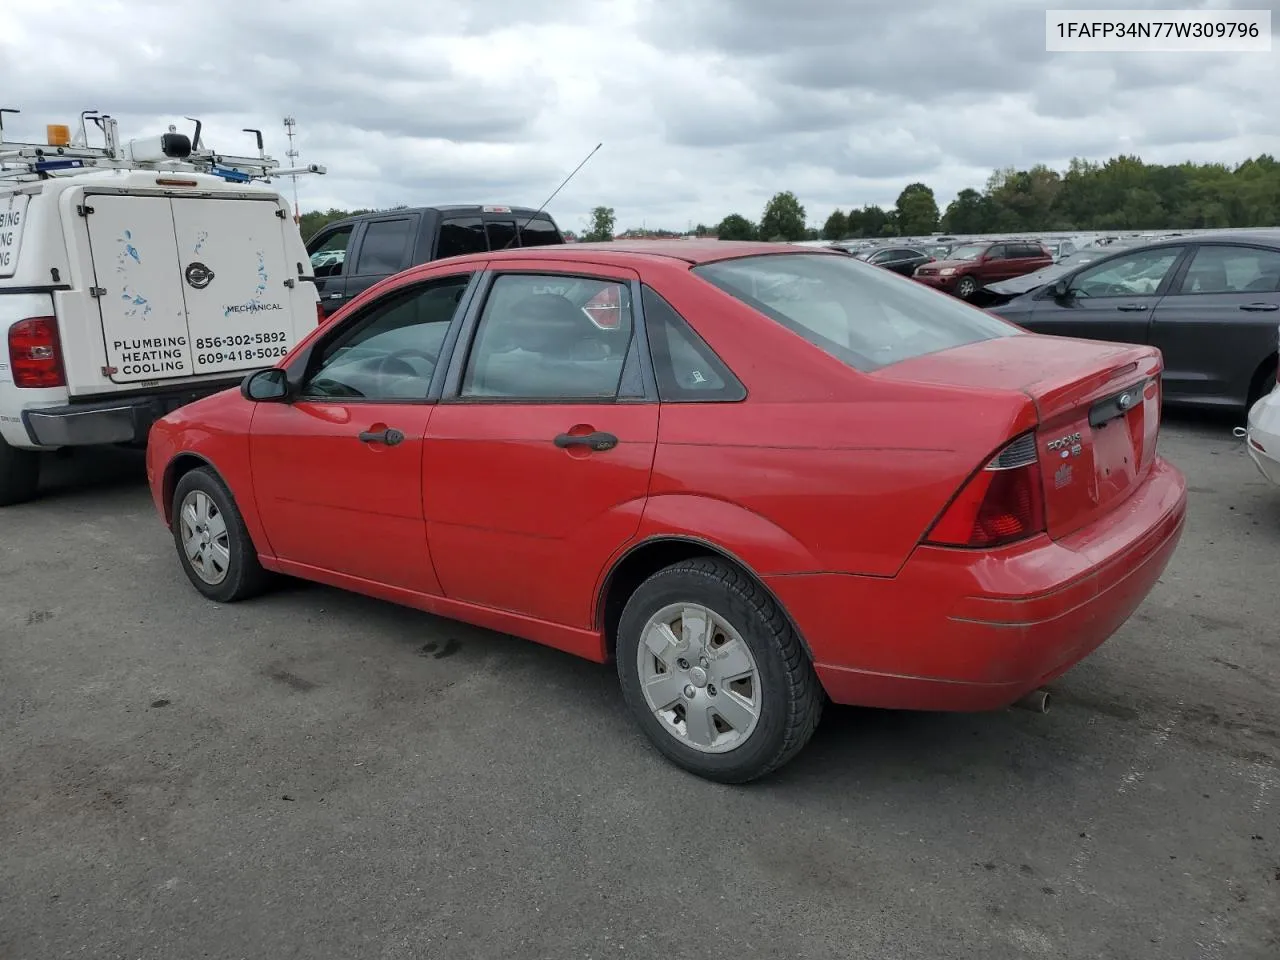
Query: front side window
{"points": [[1222, 269], [329, 255], [1137, 274], [865, 317], [390, 353], [385, 247], [999, 252], [551, 337]]}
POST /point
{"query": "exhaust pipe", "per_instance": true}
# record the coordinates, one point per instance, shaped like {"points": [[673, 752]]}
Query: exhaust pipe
{"points": [[1037, 701]]}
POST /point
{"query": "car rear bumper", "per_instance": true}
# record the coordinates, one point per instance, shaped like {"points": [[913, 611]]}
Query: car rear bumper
{"points": [[125, 420], [1262, 437], [975, 630]]}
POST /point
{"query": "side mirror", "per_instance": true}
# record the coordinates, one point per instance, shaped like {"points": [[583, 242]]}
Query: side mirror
{"points": [[265, 385], [1061, 290]]}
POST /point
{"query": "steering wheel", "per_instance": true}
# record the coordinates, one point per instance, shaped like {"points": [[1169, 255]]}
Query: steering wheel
{"points": [[394, 364]]}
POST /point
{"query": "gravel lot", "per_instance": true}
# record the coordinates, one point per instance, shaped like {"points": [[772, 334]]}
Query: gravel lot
{"points": [[318, 775]]}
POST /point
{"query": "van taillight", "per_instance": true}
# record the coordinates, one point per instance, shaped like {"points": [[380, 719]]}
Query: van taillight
{"points": [[319, 313], [34, 354], [1001, 503]]}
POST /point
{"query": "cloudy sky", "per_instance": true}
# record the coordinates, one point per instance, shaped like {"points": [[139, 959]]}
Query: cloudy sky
{"points": [[705, 107]]}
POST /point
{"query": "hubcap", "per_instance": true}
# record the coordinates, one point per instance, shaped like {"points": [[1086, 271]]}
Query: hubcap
{"points": [[204, 535], [699, 678]]}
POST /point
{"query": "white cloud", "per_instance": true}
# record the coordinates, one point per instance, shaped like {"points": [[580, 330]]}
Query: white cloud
{"points": [[704, 109]]}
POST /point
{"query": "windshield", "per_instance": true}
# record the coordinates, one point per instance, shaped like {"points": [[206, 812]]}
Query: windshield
{"points": [[862, 315], [968, 251]]}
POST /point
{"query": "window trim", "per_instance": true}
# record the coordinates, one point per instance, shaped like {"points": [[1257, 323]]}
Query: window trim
{"points": [[451, 387], [1175, 288], [304, 365], [322, 238]]}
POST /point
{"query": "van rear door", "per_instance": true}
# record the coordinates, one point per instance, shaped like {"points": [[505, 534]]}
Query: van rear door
{"points": [[232, 269], [138, 287]]}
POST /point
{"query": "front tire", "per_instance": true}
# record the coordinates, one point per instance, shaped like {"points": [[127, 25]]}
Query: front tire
{"points": [[19, 474], [714, 672], [214, 546], [966, 288]]}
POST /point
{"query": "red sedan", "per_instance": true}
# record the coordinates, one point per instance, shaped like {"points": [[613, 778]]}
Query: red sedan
{"points": [[754, 476]]}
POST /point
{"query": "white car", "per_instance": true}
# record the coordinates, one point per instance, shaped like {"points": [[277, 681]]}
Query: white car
{"points": [[1262, 436]]}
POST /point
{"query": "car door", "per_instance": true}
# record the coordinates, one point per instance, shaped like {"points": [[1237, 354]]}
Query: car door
{"points": [[337, 468], [384, 248], [328, 252], [1112, 299], [538, 457], [1218, 323]]}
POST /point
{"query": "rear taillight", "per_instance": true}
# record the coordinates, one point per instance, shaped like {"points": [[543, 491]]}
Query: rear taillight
{"points": [[319, 313], [1001, 503], [34, 355]]}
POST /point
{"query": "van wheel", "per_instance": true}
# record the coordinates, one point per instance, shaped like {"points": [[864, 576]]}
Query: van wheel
{"points": [[966, 288], [19, 474], [213, 544], [714, 672]]}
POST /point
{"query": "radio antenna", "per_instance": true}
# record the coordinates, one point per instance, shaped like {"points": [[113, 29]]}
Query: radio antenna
{"points": [[553, 194]]}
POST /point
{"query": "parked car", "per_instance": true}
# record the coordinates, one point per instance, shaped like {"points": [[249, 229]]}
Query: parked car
{"points": [[1262, 435], [803, 443], [349, 256], [1209, 302], [903, 260], [971, 266]]}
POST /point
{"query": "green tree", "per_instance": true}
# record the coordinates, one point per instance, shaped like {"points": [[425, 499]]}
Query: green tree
{"points": [[872, 221], [917, 210], [967, 213], [783, 218], [736, 227], [836, 227], [603, 225]]}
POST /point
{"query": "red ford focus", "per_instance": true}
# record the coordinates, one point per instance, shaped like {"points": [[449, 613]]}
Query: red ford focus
{"points": [[754, 476]]}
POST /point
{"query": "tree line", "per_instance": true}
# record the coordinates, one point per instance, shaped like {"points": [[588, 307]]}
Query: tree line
{"points": [[1122, 193]]}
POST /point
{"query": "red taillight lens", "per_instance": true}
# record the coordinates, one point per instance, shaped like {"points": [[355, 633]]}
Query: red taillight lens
{"points": [[319, 313], [1001, 503], [34, 354]]}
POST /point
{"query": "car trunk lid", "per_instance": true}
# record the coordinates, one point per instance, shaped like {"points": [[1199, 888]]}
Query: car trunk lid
{"points": [[1097, 406]]}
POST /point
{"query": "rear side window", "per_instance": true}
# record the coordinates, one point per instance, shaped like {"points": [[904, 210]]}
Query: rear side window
{"points": [[1218, 269], [460, 236], [866, 317], [385, 247], [685, 367], [539, 232]]}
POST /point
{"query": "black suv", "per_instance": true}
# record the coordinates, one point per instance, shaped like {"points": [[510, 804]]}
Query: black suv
{"points": [[349, 256]]}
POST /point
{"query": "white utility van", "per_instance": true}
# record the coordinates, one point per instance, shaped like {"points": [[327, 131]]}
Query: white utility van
{"points": [[135, 278]]}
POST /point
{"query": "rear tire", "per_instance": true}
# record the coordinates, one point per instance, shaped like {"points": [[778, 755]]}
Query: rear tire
{"points": [[19, 474], [734, 697], [214, 546]]}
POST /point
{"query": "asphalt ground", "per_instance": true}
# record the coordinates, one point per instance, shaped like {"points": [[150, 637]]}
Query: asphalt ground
{"points": [[315, 774]]}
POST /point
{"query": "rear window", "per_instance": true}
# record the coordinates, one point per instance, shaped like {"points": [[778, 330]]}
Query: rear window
{"points": [[864, 316]]}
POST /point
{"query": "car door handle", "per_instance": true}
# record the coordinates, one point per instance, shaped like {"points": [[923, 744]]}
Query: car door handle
{"points": [[335, 296], [596, 440], [1260, 307], [389, 436], [1132, 307]]}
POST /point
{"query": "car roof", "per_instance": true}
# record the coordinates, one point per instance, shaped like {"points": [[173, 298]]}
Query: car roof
{"points": [[688, 251]]}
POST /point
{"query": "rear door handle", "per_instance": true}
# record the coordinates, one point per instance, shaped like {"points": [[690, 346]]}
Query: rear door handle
{"points": [[1260, 307], [335, 296], [389, 436], [596, 440], [1132, 307]]}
